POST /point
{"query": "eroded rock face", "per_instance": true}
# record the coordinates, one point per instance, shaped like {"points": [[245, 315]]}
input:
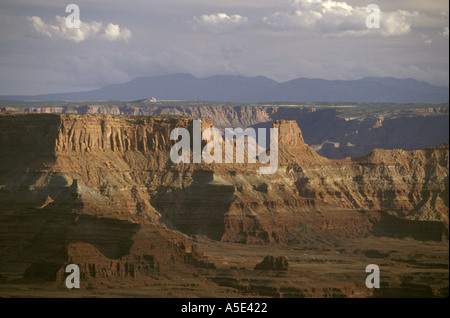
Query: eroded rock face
{"points": [[58, 170], [291, 135], [325, 130], [68, 195], [271, 263]]}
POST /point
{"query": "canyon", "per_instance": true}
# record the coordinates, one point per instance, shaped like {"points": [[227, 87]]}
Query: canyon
{"points": [[333, 131], [100, 191]]}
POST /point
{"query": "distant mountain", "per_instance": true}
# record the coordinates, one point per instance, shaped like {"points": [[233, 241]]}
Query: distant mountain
{"points": [[260, 89], [364, 90]]}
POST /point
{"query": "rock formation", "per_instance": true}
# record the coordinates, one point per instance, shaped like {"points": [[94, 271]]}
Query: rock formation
{"points": [[270, 263], [325, 129], [102, 190]]}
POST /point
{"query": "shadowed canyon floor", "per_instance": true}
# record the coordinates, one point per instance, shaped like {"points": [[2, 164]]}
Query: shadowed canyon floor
{"points": [[100, 191]]}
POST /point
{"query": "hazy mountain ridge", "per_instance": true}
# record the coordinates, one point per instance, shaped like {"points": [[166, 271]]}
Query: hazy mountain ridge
{"points": [[227, 88]]}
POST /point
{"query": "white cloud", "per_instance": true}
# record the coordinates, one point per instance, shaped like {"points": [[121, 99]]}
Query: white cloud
{"points": [[397, 22], [444, 32], [112, 32], [338, 18], [219, 22], [292, 20], [324, 6]]}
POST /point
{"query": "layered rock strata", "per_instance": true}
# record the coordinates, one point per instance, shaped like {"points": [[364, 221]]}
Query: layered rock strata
{"points": [[104, 186]]}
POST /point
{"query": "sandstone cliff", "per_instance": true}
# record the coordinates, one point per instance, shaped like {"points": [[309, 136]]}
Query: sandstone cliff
{"points": [[103, 179], [67, 195], [325, 129]]}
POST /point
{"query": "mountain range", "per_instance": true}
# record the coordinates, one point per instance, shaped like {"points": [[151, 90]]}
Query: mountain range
{"points": [[239, 89]]}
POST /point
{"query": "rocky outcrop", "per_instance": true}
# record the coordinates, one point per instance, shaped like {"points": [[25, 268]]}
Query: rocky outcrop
{"points": [[118, 167], [326, 130], [271, 263], [69, 194], [108, 134]]}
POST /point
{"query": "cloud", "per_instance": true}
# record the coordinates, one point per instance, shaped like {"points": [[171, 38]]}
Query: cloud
{"points": [[112, 32], [397, 22], [324, 6], [338, 18], [444, 32], [292, 20], [219, 22]]}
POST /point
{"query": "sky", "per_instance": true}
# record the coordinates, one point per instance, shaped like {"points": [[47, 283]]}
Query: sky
{"points": [[281, 39]]}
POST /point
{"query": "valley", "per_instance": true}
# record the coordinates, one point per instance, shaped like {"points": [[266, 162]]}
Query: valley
{"points": [[100, 191]]}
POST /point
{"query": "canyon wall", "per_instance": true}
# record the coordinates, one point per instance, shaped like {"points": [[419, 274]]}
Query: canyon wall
{"points": [[70, 191], [324, 129], [101, 190], [119, 167]]}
